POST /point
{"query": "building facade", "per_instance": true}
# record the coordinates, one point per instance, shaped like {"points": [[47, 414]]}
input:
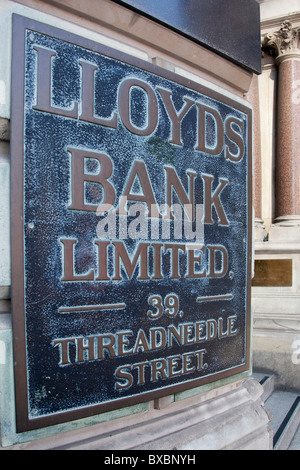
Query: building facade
{"points": [[228, 412], [275, 293]]}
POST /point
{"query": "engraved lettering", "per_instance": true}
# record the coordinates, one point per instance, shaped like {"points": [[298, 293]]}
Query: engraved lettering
{"points": [[44, 85], [176, 118], [139, 171], [173, 183], [126, 377], [79, 178], [124, 106], [205, 113], [236, 138], [213, 250], [212, 199], [122, 254], [68, 263], [88, 97]]}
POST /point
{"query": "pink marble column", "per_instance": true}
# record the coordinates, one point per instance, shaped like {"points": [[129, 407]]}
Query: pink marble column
{"points": [[253, 98], [285, 44], [288, 140]]}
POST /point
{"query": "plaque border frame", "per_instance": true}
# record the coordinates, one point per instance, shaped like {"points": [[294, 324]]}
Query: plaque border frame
{"points": [[23, 422]]}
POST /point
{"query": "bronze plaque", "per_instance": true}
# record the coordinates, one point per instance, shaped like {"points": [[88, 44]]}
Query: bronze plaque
{"points": [[131, 214], [273, 272]]}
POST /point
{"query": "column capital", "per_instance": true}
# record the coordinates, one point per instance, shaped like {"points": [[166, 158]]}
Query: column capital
{"points": [[283, 43]]}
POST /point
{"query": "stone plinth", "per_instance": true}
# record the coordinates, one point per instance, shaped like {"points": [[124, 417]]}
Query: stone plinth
{"points": [[253, 97]]}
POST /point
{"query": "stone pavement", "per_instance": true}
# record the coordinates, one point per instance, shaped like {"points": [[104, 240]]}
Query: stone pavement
{"points": [[284, 406]]}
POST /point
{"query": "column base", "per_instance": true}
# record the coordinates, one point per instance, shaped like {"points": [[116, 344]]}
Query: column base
{"points": [[285, 228], [259, 230]]}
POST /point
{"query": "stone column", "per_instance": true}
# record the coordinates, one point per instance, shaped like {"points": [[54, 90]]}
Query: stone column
{"points": [[285, 45]]}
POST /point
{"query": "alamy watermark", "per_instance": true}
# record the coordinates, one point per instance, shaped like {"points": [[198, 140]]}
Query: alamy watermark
{"points": [[296, 351], [164, 222]]}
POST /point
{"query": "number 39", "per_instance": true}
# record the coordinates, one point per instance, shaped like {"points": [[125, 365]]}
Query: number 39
{"points": [[170, 306]]}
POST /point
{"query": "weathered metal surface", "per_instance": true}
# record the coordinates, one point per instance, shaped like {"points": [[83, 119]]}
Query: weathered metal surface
{"points": [[231, 29], [273, 272], [110, 308]]}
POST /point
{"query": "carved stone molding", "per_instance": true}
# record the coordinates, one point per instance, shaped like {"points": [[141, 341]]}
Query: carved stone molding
{"points": [[283, 42]]}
